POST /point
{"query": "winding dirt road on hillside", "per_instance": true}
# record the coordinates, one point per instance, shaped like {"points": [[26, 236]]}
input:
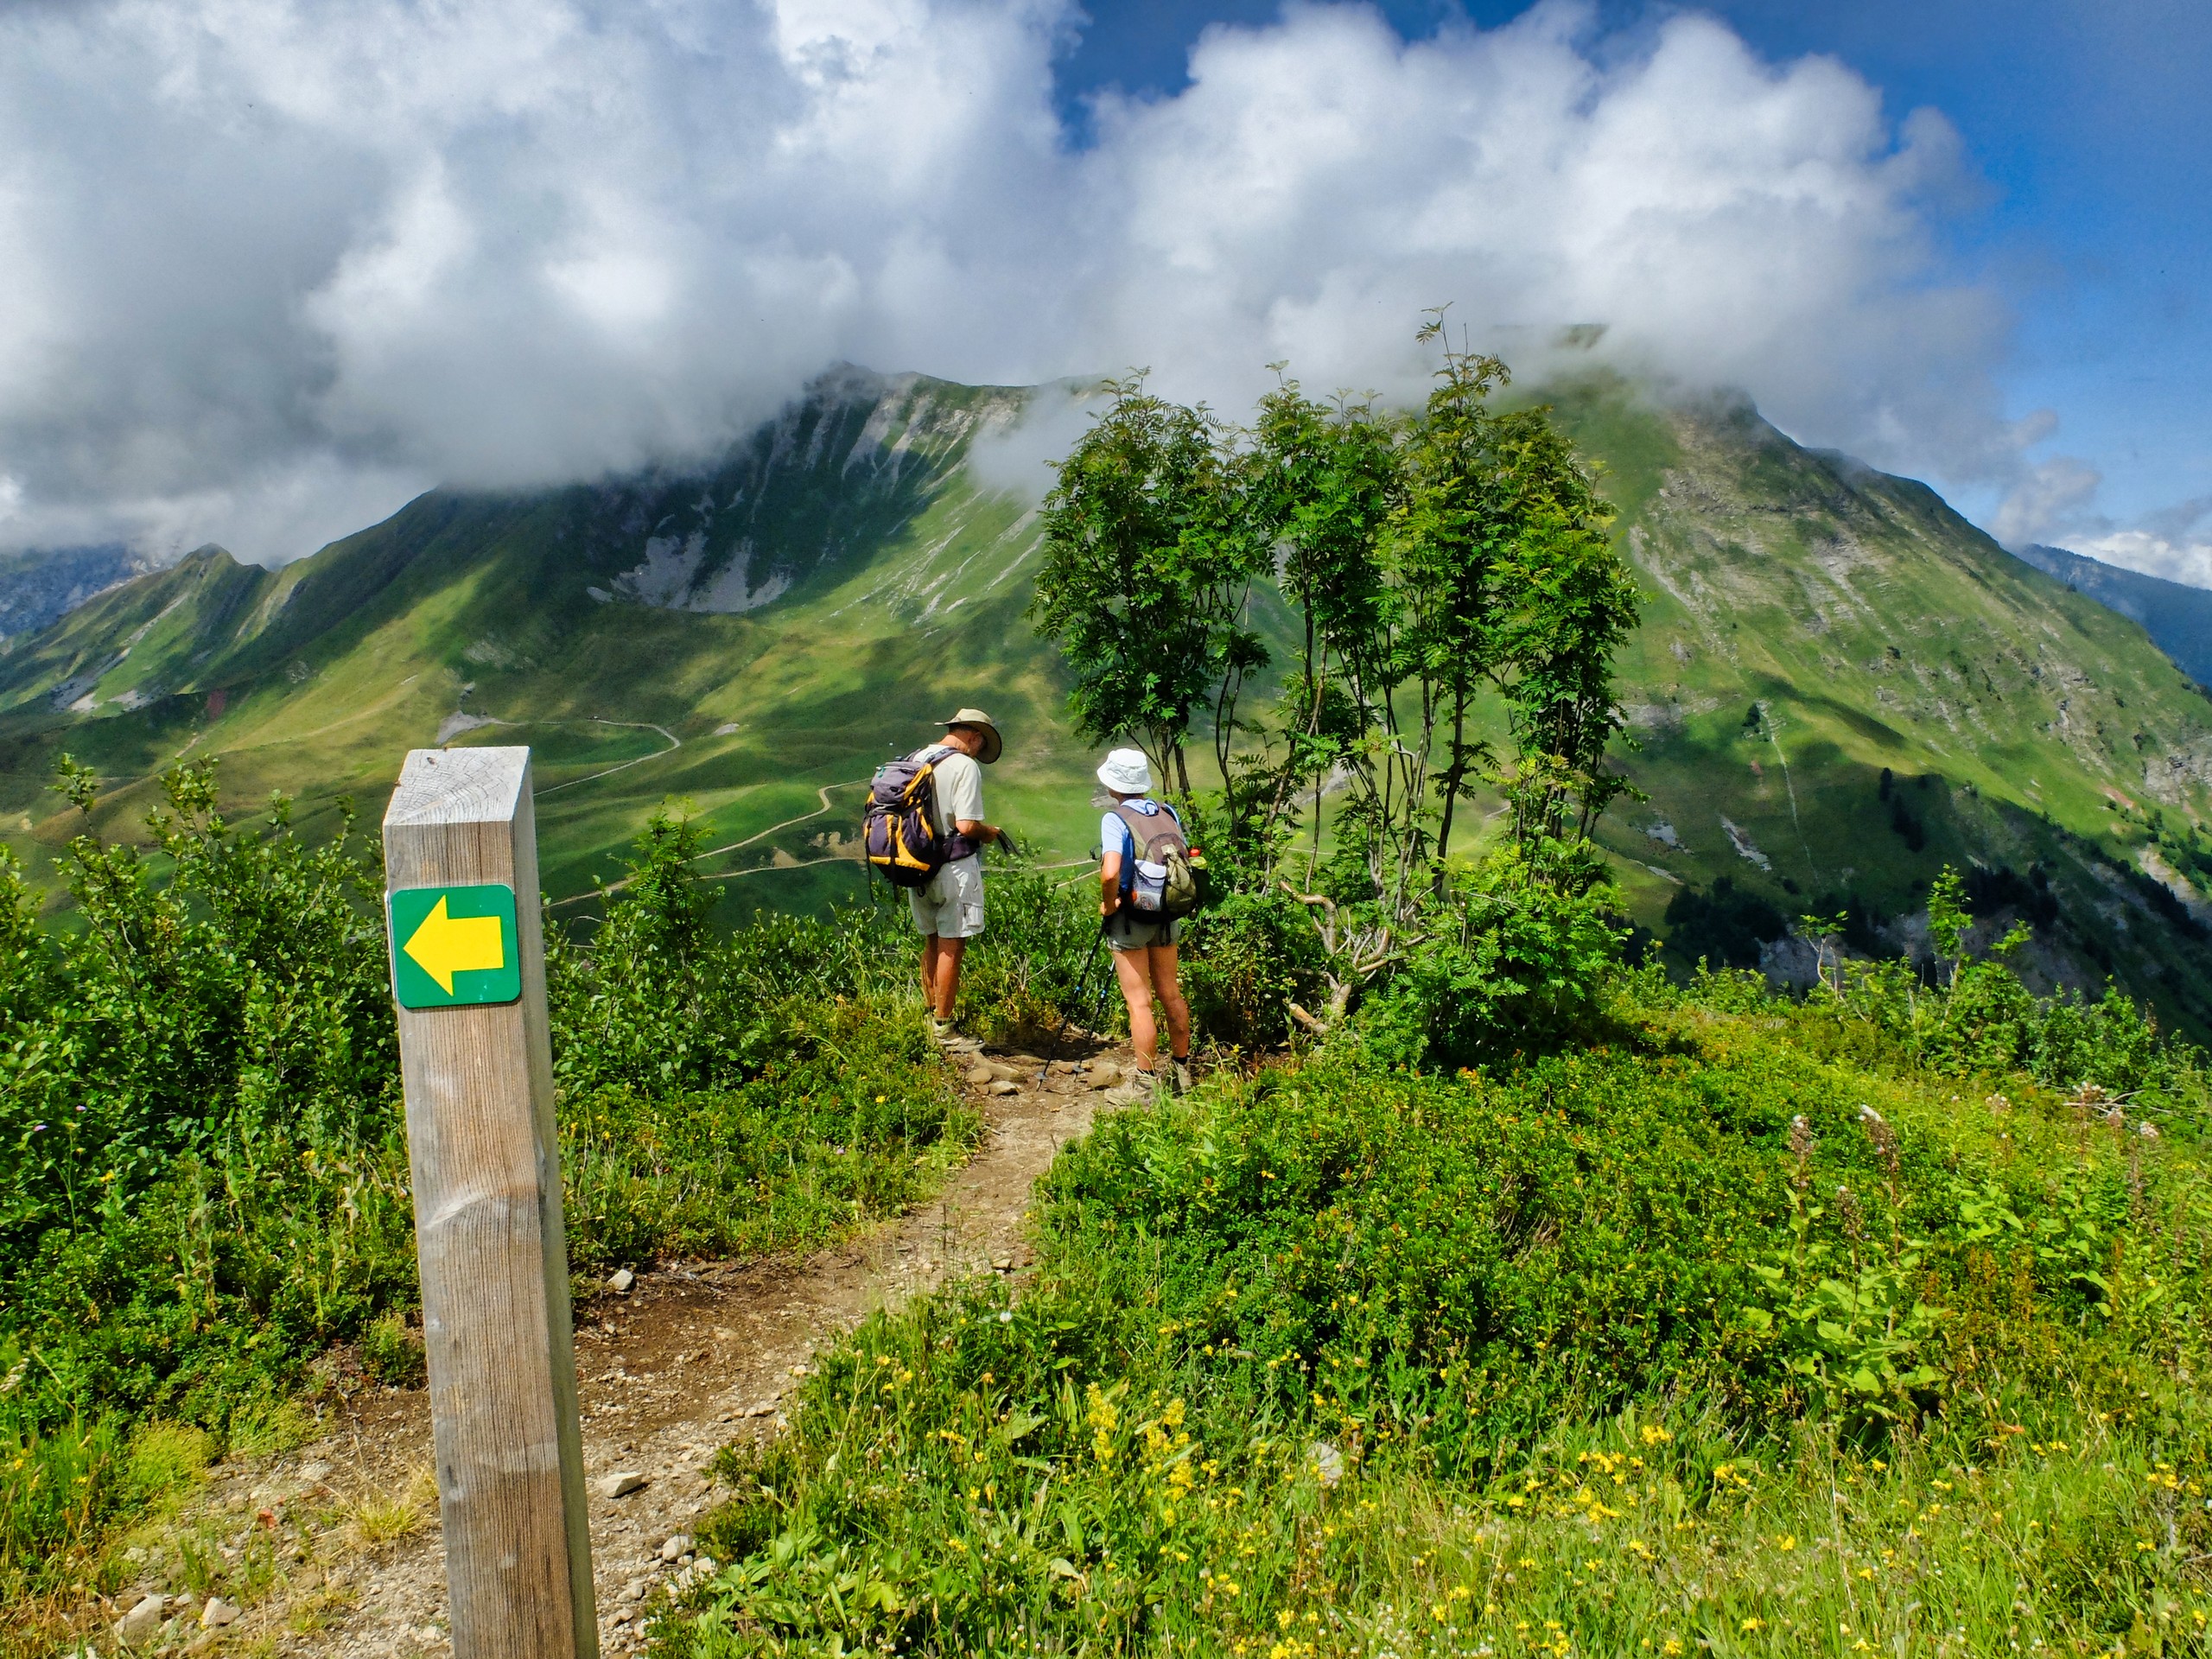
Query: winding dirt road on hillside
{"points": [[695, 1356]]}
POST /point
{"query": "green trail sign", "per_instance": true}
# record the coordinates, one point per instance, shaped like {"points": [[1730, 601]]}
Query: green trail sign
{"points": [[455, 947]]}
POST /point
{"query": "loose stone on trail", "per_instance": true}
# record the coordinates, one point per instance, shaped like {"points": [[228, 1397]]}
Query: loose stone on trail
{"points": [[620, 1281], [139, 1624], [621, 1483]]}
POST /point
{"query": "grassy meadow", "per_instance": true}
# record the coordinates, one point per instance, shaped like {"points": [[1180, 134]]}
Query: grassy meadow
{"points": [[1747, 1327]]}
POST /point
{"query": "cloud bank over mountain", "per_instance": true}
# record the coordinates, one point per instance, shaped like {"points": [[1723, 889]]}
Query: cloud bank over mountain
{"points": [[2176, 543], [271, 265]]}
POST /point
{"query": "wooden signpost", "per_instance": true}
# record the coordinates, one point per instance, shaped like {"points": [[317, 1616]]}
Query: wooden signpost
{"points": [[468, 973]]}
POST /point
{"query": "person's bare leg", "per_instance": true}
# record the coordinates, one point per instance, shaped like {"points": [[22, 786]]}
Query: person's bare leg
{"points": [[947, 989], [1133, 968], [929, 971], [1161, 963]]}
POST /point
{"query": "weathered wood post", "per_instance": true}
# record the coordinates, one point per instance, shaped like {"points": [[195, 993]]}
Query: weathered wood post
{"points": [[468, 972]]}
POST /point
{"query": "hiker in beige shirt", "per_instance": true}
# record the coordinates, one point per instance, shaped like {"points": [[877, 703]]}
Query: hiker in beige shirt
{"points": [[948, 911]]}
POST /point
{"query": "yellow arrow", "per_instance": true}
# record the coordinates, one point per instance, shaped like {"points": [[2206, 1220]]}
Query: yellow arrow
{"points": [[445, 945]]}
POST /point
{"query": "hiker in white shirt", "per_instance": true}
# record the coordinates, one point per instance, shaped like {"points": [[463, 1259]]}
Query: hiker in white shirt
{"points": [[948, 911], [1143, 945]]}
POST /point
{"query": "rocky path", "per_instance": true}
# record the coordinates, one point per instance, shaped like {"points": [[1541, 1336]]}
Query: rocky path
{"points": [[334, 1550]]}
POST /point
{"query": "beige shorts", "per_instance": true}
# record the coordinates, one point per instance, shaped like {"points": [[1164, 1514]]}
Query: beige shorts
{"points": [[951, 906]]}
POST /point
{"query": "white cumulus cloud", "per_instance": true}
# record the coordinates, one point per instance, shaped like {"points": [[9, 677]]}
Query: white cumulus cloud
{"points": [[2176, 543], [269, 265]]}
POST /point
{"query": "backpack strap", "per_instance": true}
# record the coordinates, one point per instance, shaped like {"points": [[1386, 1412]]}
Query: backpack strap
{"points": [[956, 845], [1143, 826], [1134, 823]]}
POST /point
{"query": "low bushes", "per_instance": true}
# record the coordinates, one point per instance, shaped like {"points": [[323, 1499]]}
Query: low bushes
{"points": [[203, 1174], [1249, 956], [850, 1119], [1694, 1335], [1039, 967], [1506, 962]]}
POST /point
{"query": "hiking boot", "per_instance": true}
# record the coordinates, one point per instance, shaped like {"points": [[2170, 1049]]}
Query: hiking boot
{"points": [[1179, 1071], [1137, 1085], [949, 1040]]}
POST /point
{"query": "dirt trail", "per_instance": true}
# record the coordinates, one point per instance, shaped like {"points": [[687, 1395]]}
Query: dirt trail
{"points": [[689, 1359]]}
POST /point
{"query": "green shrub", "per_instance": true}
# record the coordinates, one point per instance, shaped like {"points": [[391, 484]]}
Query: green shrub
{"points": [[1038, 967], [1351, 1359], [203, 1176], [853, 1119], [1505, 962], [392, 1352], [1246, 958]]}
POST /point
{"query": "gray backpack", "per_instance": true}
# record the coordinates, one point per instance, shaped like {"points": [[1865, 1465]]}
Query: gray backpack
{"points": [[1159, 881]]}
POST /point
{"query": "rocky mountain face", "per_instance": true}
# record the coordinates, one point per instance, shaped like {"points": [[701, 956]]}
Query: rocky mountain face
{"points": [[1840, 685], [39, 587]]}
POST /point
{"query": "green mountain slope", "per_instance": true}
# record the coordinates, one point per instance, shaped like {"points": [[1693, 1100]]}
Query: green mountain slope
{"points": [[1840, 685], [745, 635]]}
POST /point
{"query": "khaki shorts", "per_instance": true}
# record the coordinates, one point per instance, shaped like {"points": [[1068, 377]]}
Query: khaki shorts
{"points": [[1134, 929], [951, 906]]}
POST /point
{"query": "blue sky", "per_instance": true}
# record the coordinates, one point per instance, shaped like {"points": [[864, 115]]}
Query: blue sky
{"points": [[2091, 124]]}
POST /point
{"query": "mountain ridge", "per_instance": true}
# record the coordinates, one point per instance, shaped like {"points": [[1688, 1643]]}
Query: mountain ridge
{"points": [[1839, 683]]}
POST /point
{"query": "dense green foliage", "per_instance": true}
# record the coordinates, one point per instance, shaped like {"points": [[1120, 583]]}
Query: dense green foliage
{"points": [[203, 1171], [1724, 927], [1741, 1325], [1448, 571], [1146, 574], [1445, 571]]}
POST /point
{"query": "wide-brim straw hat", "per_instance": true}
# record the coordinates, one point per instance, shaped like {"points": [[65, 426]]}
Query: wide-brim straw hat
{"points": [[993, 745], [1126, 771]]}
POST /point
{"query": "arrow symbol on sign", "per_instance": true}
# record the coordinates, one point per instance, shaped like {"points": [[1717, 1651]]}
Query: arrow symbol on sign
{"points": [[445, 945]]}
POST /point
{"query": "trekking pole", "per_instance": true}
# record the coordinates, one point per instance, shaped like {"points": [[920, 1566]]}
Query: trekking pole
{"points": [[1082, 984]]}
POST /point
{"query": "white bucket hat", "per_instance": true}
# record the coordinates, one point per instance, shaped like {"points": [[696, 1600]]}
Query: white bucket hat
{"points": [[1126, 773]]}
